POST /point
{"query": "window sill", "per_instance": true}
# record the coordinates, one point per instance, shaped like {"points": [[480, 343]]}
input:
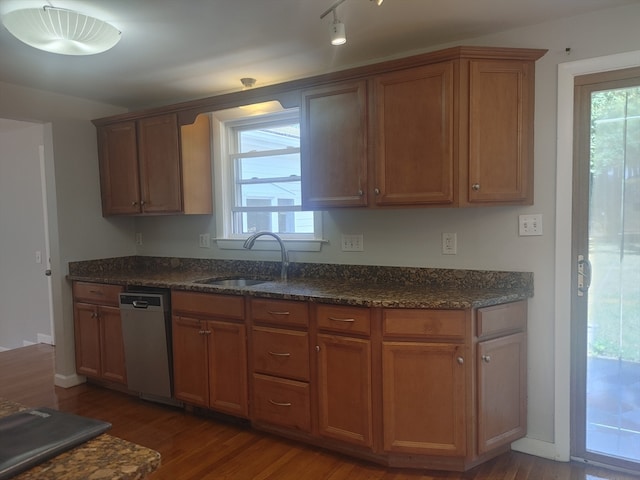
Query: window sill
{"points": [[267, 244]]}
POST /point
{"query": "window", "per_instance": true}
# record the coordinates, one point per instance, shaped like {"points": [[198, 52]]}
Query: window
{"points": [[258, 178]]}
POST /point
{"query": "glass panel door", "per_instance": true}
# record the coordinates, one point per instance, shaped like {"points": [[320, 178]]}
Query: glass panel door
{"points": [[607, 254]]}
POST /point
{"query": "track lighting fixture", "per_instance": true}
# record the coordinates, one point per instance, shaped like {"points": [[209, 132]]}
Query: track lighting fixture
{"points": [[338, 36]]}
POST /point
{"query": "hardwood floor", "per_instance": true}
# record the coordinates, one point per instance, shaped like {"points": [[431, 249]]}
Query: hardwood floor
{"points": [[198, 448]]}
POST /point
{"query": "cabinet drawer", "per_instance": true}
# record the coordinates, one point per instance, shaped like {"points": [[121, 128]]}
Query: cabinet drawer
{"points": [[501, 319], [98, 293], [281, 352], [448, 324], [338, 318], [281, 402], [210, 305], [280, 312]]}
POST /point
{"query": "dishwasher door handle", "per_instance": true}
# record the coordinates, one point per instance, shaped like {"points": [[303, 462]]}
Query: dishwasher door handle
{"points": [[140, 304]]}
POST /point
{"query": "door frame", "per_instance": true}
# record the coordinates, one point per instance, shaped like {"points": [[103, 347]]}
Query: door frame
{"points": [[563, 234]]}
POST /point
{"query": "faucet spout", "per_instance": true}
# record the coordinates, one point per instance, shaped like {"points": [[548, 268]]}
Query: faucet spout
{"points": [[249, 242]]}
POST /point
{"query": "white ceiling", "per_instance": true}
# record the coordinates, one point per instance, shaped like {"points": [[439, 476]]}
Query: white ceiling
{"points": [[175, 50]]}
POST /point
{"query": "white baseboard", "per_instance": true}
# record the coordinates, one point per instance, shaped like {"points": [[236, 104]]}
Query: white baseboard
{"points": [[43, 338], [26, 343], [68, 381], [539, 449], [2, 349]]}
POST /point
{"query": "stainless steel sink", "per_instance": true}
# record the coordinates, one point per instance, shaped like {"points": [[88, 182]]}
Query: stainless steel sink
{"points": [[232, 281]]}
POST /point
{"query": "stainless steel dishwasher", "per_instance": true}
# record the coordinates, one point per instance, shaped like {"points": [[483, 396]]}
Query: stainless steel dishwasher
{"points": [[146, 329]]}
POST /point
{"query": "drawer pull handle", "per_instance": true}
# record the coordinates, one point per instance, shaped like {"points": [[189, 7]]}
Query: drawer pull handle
{"points": [[202, 332], [277, 354], [278, 313], [96, 292], [486, 358], [346, 320], [460, 360], [280, 404]]}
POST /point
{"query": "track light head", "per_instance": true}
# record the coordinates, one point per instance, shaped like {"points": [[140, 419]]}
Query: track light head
{"points": [[338, 36]]}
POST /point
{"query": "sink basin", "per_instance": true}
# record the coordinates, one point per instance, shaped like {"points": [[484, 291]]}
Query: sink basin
{"points": [[232, 281]]}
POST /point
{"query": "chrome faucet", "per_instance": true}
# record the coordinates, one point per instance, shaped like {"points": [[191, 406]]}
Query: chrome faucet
{"points": [[248, 244]]}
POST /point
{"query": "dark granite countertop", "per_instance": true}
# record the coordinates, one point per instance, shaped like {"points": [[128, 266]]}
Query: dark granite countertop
{"points": [[367, 286], [104, 457]]}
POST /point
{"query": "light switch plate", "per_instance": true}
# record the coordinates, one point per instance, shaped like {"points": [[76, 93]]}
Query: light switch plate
{"points": [[530, 225], [352, 243], [449, 244]]}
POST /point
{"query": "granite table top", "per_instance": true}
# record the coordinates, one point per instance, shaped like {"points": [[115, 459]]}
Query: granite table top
{"points": [[352, 285], [104, 457]]}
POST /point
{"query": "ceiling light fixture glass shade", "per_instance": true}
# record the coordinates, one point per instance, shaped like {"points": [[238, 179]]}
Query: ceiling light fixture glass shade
{"points": [[62, 31]]}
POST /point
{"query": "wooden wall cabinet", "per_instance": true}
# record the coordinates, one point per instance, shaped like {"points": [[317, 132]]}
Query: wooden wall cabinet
{"points": [[98, 332], [210, 351], [152, 165], [454, 132]]}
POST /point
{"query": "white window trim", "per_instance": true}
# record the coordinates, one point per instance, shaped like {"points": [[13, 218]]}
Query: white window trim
{"points": [[223, 179]]}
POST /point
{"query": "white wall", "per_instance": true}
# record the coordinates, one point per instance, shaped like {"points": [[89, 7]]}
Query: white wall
{"points": [[77, 229], [487, 238], [24, 292]]}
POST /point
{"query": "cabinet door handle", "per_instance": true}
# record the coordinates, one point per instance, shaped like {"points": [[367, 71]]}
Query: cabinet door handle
{"points": [[460, 360], [202, 332], [277, 354], [486, 358], [280, 404], [376, 191], [142, 202], [278, 313], [134, 203], [475, 187], [346, 320], [96, 292], [360, 193]]}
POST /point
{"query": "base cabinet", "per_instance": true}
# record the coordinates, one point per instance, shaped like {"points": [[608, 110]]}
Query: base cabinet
{"points": [[98, 332], [423, 397], [344, 377], [209, 351], [427, 388]]}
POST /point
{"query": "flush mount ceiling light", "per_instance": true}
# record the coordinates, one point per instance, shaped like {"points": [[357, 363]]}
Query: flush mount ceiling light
{"points": [[58, 30], [338, 36]]}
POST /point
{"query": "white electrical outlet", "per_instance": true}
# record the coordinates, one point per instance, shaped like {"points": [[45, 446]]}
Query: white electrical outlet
{"points": [[138, 239], [449, 244], [530, 225], [352, 243], [205, 240]]}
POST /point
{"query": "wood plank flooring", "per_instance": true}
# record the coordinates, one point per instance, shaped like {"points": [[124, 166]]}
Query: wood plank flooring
{"points": [[198, 448]]}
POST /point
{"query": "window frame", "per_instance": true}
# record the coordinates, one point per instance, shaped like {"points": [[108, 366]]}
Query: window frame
{"points": [[224, 138]]}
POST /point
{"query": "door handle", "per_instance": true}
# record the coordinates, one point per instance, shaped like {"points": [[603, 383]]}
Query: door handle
{"points": [[584, 275], [47, 272]]}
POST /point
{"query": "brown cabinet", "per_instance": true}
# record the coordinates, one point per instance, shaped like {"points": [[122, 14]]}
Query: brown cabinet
{"points": [[502, 375], [499, 169], [334, 146], [153, 165], [98, 332], [414, 135], [424, 388], [456, 130], [280, 372], [210, 352], [344, 381]]}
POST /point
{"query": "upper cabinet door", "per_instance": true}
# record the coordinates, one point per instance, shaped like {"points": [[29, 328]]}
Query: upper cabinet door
{"points": [[334, 146], [159, 159], [414, 155], [119, 169], [500, 132]]}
